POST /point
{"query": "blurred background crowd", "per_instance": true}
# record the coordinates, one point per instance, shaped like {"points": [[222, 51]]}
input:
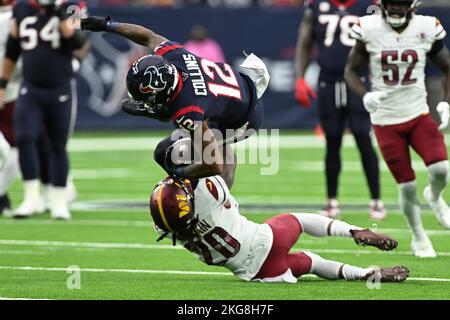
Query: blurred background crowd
{"points": [[227, 3]]}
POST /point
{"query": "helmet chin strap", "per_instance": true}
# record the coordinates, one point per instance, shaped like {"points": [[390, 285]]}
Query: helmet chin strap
{"points": [[398, 22]]}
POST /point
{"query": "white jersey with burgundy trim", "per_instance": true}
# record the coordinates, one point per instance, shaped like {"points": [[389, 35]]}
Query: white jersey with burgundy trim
{"points": [[397, 64], [12, 90], [227, 238]]}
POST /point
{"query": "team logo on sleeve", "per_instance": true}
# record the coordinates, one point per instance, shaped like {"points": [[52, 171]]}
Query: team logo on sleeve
{"points": [[156, 82]]}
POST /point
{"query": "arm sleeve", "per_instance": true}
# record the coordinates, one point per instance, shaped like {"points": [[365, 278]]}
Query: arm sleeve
{"points": [[13, 48]]}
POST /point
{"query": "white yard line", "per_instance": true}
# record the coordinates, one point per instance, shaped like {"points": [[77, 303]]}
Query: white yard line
{"points": [[106, 245], [178, 272]]}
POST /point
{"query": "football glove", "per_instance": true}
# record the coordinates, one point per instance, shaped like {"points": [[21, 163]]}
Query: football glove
{"points": [[303, 92], [96, 24], [443, 110], [372, 100], [140, 109]]}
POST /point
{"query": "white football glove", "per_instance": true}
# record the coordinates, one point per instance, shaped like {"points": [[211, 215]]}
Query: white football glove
{"points": [[443, 110], [4, 150], [372, 100]]}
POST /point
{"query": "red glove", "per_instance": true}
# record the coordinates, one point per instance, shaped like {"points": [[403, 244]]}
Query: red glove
{"points": [[303, 92]]}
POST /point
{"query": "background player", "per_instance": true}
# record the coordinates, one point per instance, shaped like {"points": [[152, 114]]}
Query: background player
{"points": [[205, 217], [397, 44], [46, 39], [196, 94], [326, 25]]}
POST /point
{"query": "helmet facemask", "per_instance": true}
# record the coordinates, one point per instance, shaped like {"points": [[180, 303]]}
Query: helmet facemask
{"points": [[400, 15]]}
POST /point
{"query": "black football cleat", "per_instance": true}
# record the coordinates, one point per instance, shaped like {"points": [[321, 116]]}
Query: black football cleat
{"points": [[367, 237], [393, 274], [5, 204]]}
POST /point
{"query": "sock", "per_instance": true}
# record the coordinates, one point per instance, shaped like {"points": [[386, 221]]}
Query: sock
{"points": [[333, 163], [58, 198], [9, 171], [320, 226], [438, 176], [409, 204], [31, 191], [355, 273], [370, 163], [326, 269]]}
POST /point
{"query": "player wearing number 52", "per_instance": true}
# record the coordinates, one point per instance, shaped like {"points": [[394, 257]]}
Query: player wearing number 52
{"points": [[327, 25], [397, 45], [43, 35], [196, 94]]}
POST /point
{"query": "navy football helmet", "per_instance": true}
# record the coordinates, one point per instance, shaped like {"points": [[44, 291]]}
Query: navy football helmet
{"points": [[400, 11], [152, 80]]}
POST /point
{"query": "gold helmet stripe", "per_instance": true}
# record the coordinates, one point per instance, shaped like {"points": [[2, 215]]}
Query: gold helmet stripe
{"points": [[161, 211]]}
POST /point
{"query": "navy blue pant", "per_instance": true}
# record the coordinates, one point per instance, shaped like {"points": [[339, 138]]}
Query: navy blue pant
{"points": [[338, 108], [41, 112]]}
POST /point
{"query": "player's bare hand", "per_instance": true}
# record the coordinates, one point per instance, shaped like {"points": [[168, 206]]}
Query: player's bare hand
{"points": [[95, 24], [444, 113], [303, 93], [372, 100]]}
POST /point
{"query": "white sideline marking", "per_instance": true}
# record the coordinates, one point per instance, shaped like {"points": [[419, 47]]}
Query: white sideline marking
{"points": [[105, 245], [179, 272], [5, 298]]}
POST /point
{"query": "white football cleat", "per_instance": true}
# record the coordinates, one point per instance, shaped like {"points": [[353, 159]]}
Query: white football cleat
{"points": [[71, 191], [61, 214], [59, 208], [440, 208], [377, 210], [423, 248], [29, 208]]}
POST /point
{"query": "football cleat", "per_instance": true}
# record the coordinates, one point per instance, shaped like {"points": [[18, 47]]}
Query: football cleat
{"points": [[393, 274], [423, 248], [332, 210], [440, 208], [377, 210], [28, 209], [367, 237]]}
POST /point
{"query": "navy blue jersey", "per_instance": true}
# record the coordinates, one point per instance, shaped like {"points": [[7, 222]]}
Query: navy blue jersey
{"points": [[208, 90], [47, 56], [333, 21]]}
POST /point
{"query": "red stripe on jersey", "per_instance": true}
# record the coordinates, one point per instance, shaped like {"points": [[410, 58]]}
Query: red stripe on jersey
{"points": [[185, 110], [346, 4], [167, 49], [180, 86]]}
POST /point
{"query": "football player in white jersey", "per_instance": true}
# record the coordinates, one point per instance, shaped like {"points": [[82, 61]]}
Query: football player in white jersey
{"points": [[205, 218], [396, 45], [9, 167]]}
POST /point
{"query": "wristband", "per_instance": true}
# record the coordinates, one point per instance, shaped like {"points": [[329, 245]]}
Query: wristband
{"points": [[112, 26], [3, 83]]}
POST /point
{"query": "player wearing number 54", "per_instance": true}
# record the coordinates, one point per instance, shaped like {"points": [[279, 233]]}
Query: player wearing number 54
{"points": [[196, 94]]}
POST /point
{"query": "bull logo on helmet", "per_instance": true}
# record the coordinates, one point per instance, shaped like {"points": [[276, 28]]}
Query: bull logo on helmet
{"points": [[156, 82]]}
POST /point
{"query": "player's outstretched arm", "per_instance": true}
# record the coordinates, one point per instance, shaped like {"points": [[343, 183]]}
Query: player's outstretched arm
{"points": [[135, 33], [357, 58]]}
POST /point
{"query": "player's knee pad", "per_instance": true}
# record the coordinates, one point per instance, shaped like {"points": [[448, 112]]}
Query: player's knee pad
{"points": [[180, 152], [438, 171]]}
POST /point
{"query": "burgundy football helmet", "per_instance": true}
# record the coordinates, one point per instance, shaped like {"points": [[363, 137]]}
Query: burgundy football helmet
{"points": [[398, 12], [172, 205]]}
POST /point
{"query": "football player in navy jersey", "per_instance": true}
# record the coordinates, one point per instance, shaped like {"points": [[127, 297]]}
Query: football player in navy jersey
{"points": [[45, 37], [327, 25], [196, 94]]}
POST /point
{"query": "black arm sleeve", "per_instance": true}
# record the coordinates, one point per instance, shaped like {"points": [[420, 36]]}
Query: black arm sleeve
{"points": [[436, 48], [13, 48]]}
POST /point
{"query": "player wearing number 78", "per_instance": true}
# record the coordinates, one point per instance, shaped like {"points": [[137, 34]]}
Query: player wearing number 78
{"points": [[397, 43], [196, 94]]}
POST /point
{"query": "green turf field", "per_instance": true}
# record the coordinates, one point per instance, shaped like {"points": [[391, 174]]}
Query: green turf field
{"points": [[111, 239]]}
